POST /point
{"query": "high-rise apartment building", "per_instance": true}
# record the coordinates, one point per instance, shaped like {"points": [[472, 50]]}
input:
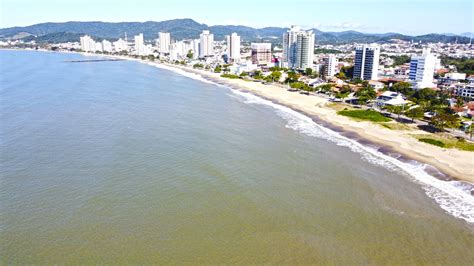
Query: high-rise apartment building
{"points": [[422, 68], [87, 44], [330, 63], [165, 42], [206, 47], [261, 53], [233, 47], [298, 48], [366, 62], [139, 44]]}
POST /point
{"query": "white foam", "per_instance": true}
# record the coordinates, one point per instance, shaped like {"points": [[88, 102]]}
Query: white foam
{"points": [[452, 196], [181, 72]]}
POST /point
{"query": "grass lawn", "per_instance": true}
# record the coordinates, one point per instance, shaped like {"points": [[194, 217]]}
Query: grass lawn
{"points": [[339, 106], [446, 141], [365, 115], [395, 126], [433, 142]]}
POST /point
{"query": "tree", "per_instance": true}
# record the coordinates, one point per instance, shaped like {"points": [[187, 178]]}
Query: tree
{"points": [[244, 74], [275, 75], [366, 94], [190, 54], [445, 120], [415, 113], [257, 74], [218, 69], [342, 95], [341, 75], [459, 102], [324, 87], [403, 87], [425, 94], [400, 60], [469, 130], [345, 88], [293, 77], [396, 109], [346, 72], [308, 71]]}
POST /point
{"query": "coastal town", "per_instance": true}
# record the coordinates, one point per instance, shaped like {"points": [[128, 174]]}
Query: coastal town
{"points": [[429, 85], [327, 132]]}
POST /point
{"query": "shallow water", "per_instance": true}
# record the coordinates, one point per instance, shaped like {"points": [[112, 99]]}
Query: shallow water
{"points": [[123, 162]]}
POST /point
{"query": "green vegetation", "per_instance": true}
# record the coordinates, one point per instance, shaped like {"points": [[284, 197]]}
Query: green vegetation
{"points": [[415, 113], [198, 65], [151, 57], [190, 54], [433, 142], [325, 87], [326, 51], [463, 65], [446, 141], [230, 76], [395, 126], [301, 86], [292, 77], [275, 75], [403, 87], [367, 115], [400, 60], [346, 72], [366, 94]]}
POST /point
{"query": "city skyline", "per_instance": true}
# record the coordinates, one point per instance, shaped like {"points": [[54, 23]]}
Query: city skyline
{"points": [[367, 16]]}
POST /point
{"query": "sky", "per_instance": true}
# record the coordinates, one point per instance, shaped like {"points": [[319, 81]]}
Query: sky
{"points": [[372, 16]]}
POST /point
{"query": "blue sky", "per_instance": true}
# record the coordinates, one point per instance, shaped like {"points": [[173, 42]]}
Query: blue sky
{"points": [[404, 16]]}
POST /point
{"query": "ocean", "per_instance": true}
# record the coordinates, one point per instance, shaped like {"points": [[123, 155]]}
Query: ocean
{"points": [[123, 162]]}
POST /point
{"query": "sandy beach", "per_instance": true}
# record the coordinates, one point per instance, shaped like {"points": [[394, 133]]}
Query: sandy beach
{"points": [[456, 163]]}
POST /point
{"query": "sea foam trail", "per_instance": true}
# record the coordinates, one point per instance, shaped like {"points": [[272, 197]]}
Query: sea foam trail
{"points": [[451, 196], [182, 72]]}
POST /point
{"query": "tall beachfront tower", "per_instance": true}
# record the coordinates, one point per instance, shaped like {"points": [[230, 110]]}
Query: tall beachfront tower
{"points": [[261, 53], [206, 47], [139, 44], [366, 62], [298, 48], [165, 42], [233, 47], [422, 68], [330, 65], [87, 44]]}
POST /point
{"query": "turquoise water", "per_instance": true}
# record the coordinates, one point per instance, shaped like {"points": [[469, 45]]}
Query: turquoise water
{"points": [[121, 162]]}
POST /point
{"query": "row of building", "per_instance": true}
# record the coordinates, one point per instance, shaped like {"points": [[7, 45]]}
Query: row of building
{"points": [[298, 48], [297, 52], [421, 71]]}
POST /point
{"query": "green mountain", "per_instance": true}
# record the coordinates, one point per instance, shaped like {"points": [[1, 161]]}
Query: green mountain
{"points": [[188, 28]]}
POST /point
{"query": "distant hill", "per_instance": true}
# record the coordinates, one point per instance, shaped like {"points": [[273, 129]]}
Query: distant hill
{"points": [[188, 28]]}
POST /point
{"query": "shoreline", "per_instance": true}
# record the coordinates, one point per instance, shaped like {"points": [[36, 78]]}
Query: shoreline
{"points": [[455, 164]]}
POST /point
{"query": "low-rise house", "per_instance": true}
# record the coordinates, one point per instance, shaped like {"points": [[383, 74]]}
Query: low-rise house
{"points": [[377, 85], [390, 98]]}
